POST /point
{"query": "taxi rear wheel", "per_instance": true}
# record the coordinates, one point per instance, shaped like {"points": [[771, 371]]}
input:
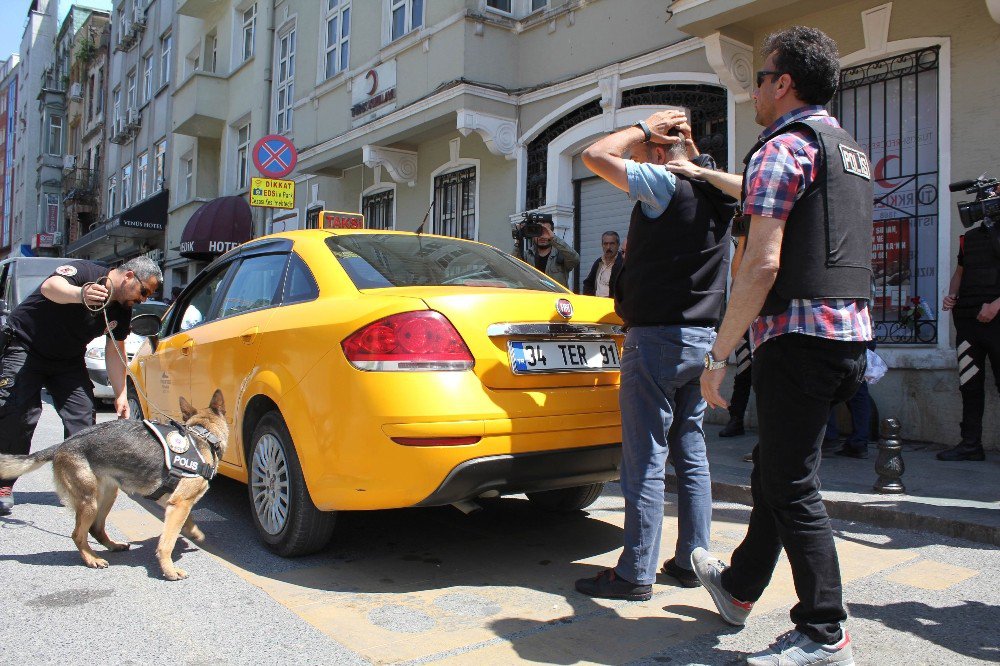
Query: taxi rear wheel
{"points": [[567, 500], [287, 521]]}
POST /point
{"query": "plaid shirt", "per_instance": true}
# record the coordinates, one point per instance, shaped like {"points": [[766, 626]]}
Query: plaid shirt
{"points": [[777, 175]]}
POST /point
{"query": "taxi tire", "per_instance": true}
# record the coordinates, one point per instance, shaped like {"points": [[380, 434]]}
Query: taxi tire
{"points": [[307, 529], [567, 500], [135, 407]]}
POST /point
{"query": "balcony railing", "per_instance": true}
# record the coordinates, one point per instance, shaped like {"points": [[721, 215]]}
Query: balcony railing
{"points": [[81, 185]]}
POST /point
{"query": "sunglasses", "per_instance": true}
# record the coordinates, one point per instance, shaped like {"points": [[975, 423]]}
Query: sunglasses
{"points": [[146, 293], [766, 72]]}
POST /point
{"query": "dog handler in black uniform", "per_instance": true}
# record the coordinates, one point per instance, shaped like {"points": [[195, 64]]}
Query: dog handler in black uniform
{"points": [[44, 342], [974, 299]]}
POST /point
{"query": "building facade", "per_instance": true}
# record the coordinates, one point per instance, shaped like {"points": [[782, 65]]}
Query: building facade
{"points": [[8, 144], [136, 116], [38, 156], [86, 33]]}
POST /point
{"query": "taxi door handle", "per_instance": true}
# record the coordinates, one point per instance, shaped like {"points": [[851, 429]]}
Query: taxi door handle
{"points": [[186, 348], [248, 336]]}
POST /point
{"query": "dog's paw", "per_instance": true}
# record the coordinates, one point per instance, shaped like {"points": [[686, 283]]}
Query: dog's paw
{"points": [[195, 534], [115, 546], [97, 563], [176, 574]]}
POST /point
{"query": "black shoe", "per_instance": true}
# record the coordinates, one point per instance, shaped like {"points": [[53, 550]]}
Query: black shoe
{"points": [[748, 457], [685, 577], [852, 452], [733, 429], [964, 451], [607, 585]]}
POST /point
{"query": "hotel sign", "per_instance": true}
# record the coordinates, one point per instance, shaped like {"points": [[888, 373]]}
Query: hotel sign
{"points": [[373, 94]]}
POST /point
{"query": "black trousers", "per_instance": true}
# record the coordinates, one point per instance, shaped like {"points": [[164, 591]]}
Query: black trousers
{"points": [[976, 342], [22, 376], [741, 382], [797, 379]]}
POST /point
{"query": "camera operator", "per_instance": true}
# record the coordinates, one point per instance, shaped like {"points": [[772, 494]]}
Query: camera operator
{"points": [[974, 300], [43, 343], [547, 252]]}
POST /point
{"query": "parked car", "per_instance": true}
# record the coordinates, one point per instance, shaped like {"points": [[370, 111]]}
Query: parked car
{"points": [[375, 370], [20, 276], [94, 356]]}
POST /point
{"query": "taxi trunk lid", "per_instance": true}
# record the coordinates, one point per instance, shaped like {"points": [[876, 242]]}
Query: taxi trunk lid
{"points": [[492, 321]]}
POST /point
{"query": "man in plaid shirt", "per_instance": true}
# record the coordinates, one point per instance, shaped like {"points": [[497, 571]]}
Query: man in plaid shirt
{"points": [[803, 284]]}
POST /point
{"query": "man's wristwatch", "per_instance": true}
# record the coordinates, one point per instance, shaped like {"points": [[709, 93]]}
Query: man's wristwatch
{"points": [[645, 129], [712, 364]]}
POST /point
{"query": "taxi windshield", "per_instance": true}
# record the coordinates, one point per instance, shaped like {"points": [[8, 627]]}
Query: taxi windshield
{"points": [[375, 261]]}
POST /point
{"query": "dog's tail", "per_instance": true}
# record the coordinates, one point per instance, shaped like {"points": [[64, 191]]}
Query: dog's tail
{"points": [[12, 467]]}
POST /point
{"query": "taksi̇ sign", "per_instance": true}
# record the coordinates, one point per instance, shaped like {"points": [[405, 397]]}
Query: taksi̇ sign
{"points": [[331, 219], [274, 156], [373, 93], [272, 193]]}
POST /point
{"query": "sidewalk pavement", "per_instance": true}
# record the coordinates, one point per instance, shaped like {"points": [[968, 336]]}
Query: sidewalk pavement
{"points": [[957, 499]]}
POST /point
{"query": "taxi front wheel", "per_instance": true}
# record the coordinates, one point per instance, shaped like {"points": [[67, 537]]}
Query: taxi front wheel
{"points": [[134, 406], [287, 521], [567, 500]]}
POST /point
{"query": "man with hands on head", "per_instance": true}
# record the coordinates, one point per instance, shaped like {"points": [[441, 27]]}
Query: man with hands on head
{"points": [[45, 340], [804, 283], [669, 293]]}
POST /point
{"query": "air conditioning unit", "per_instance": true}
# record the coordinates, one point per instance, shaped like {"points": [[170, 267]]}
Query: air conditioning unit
{"points": [[76, 91], [69, 162]]}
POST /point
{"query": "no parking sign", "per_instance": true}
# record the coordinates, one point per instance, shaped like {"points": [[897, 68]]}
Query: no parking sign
{"points": [[274, 156]]}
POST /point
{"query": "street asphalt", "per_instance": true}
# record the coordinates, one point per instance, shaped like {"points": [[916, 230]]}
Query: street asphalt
{"points": [[423, 586]]}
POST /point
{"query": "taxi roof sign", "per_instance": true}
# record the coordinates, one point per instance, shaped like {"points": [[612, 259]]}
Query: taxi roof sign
{"points": [[331, 219]]}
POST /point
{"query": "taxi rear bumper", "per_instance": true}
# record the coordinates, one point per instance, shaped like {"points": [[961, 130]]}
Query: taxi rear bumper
{"points": [[528, 472]]}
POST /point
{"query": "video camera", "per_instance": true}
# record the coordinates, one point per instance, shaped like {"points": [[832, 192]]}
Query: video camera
{"points": [[986, 206], [530, 225]]}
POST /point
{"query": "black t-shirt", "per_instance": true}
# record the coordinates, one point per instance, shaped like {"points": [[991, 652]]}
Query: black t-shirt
{"points": [[541, 261], [61, 331]]}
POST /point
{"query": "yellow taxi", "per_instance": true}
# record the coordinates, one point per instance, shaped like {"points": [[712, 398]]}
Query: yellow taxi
{"points": [[371, 369]]}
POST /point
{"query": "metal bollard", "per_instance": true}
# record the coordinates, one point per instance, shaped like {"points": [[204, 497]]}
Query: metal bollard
{"points": [[889, 463]]}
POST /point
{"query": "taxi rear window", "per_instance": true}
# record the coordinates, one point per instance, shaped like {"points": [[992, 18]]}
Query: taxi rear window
{"points": [[375, 261]]}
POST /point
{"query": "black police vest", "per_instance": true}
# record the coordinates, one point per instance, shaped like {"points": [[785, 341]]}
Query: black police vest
{"points": [[826, 251], [675, 265], [980, 271]]}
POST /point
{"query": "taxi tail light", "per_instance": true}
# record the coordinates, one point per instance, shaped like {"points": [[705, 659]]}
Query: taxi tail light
{"points": [[408, 342]]}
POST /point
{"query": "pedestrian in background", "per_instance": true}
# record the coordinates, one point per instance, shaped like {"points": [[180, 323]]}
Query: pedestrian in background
{"points": [[604, 273], [809, 308]]}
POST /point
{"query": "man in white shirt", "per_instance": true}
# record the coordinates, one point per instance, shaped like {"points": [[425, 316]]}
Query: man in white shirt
{"points": [[601, 279]]}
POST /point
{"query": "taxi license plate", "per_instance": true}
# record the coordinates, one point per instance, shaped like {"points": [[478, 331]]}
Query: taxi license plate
{"points": [[562, 356]]}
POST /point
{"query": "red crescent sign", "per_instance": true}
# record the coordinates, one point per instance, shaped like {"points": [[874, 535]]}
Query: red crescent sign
{"points": [[880, 172], [373, 75]]}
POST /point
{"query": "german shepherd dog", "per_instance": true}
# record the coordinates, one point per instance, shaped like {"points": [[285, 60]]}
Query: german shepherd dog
{"points": [[93, 464]]}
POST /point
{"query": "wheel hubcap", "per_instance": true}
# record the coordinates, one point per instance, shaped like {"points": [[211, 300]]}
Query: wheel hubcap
{"points": [[269, 484]]}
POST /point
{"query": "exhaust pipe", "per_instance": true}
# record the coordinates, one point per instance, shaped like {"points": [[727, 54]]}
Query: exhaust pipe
{"points": [[467, 506]]}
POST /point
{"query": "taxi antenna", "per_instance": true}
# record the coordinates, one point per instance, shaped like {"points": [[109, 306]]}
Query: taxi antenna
{"points": [[420, 229]]}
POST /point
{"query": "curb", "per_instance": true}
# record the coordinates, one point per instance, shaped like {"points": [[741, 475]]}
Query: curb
{"points": [[871, 515]]}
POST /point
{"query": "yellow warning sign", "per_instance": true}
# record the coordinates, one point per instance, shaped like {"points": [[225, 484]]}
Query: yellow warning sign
{"points": [[272, 193]]}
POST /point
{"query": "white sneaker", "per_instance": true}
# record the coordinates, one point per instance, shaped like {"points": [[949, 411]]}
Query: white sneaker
{"points": [[796, 649], [709, 571]]}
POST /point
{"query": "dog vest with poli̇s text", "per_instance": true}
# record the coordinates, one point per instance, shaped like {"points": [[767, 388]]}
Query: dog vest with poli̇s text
{"points": [[180, 456]]}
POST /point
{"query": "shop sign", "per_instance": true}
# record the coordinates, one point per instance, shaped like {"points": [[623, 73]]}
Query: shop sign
{"points": [[52, 216], [272, 193], [373, 94]]}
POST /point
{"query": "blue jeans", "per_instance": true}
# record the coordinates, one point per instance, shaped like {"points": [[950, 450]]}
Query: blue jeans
{"points": [[662, 411]]}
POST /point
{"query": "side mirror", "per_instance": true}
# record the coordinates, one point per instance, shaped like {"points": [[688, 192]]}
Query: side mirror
{"points": [[146, 324]]}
